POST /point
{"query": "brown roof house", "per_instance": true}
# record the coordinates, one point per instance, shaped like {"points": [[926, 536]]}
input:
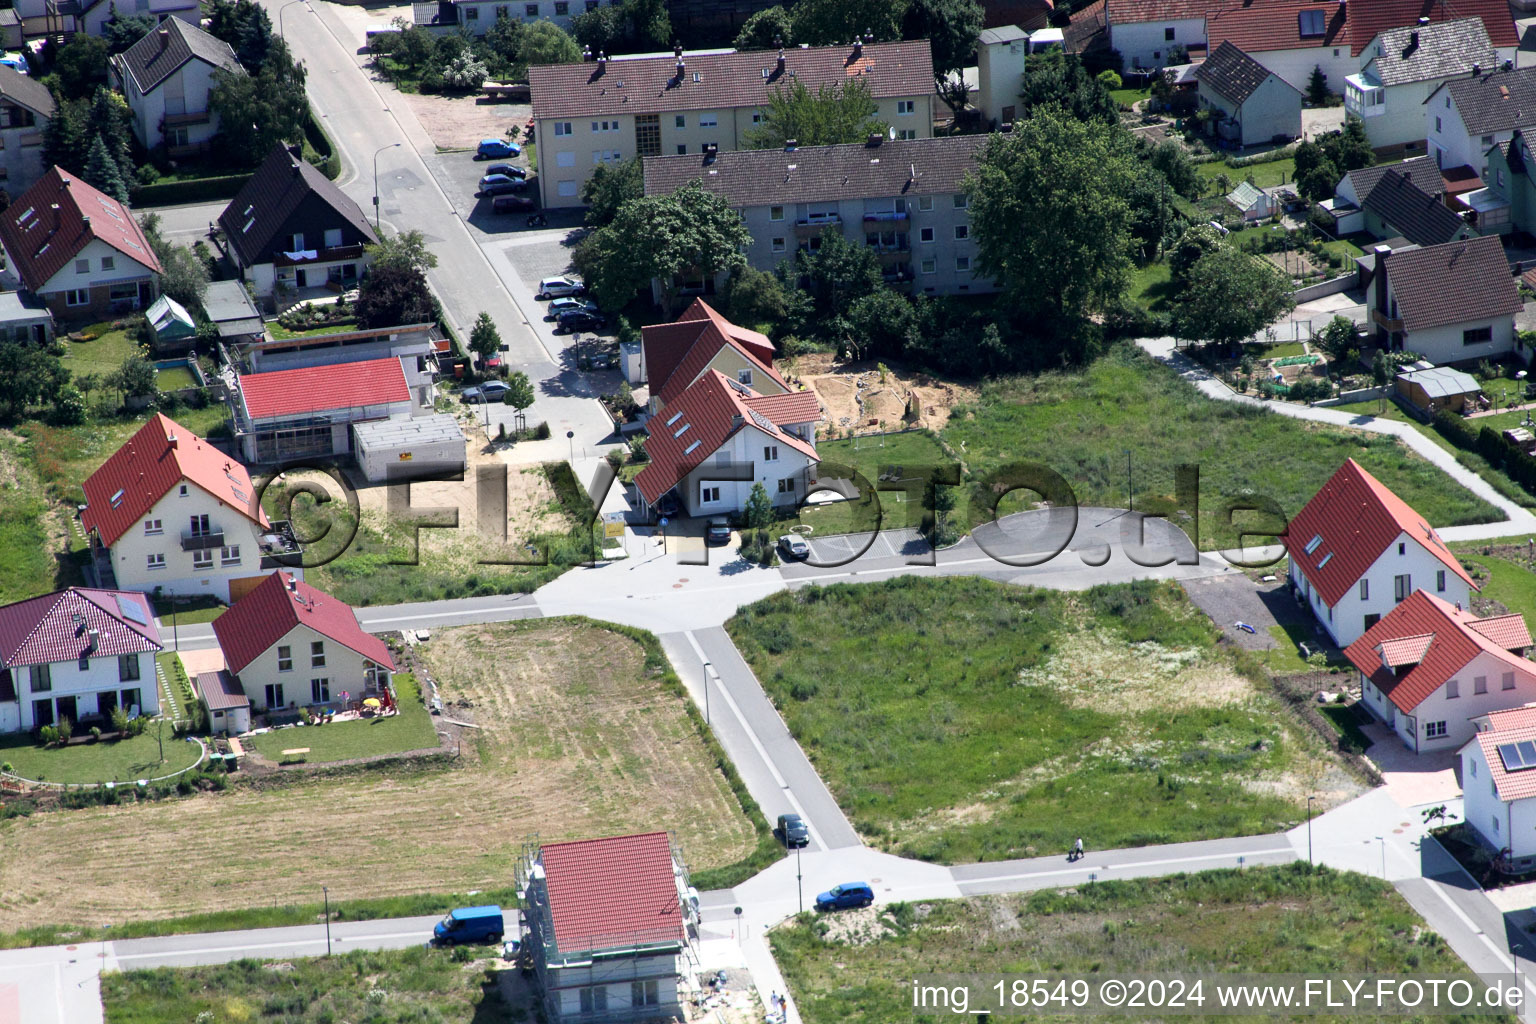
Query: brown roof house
{"points": [[1450, 303], [1248, 103], [613, 109], [26, 107], [166, 78], [78, 250], [1402, 67]]}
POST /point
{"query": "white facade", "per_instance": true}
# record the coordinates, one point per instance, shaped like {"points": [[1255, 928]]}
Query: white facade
{"points": [[1295, 66], [176, 110], [94, 21], [83, 689], [21, 146], [1503, 824], [1405, 566], [626, 988], [478, 16], [294, 672], [190, 544], [1000, 57], [1145, 44], [721, 484], [1271, 111], [1449, 142], [1394, 116], [1444, 722]]}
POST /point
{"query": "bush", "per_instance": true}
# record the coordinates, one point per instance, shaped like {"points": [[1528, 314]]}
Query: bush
{"points": [[119, 719], [66, 729], [95, 733]]}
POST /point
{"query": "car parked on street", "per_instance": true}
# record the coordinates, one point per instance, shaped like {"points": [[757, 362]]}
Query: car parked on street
{"points": [[510, 170], [578, 320], [490, 391], [555, 287], [792, 831], [842, 897], [497, 149], [567, 304], [470, 924], [718, 531], [795, 546], [512, 204], [500, 185]]}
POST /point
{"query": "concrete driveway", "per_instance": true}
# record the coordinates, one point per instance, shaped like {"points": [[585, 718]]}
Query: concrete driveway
{"points": [[1234, 598], [1413, 780]]}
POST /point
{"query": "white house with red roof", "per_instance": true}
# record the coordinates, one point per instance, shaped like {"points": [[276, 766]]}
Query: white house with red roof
{"points": [[717, 438], [611, 924], [169, 512], [1430, 670], [1498, 782], [1357, 551], [308, 411], [78, 249], [674, 355], [289, 645], [76, 654]]}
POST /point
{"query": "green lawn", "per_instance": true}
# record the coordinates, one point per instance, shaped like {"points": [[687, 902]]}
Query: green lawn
{"points": [[1261, 920], [108, 761], [1081, 423], [188, 610], [958, 720], [1127, 97], [411, 729], [101, 355], [281, 333], [1151, 286], [27, 567], [1270, 172], [416, 985], [1505, 574]]}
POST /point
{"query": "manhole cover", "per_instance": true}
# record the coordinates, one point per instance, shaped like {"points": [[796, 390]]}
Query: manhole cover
{"points": [[677, 586], [683, 579]]}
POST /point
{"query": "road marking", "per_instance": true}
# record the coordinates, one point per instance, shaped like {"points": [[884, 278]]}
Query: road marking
{"points": [[10, 1004], [359, 942], [1132, 864], [1498, 954], [443, 615]]}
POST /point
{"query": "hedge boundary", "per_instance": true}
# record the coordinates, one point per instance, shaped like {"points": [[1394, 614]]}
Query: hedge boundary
{"points": [[1491, 445]]}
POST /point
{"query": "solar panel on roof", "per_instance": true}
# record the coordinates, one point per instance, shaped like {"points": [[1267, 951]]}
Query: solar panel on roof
{"points": [[1511, 758], [131, 610], [1527, 753]]}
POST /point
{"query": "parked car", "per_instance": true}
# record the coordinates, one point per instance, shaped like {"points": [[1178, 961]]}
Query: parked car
{"points": [[578, 320], [718, 531], [497, 149], [668, 505], [795, 546], [490, 391], [849, 894], [512, 204], [510, 170], [792, 830], [470, 924], [567, 304], [554, 287], [500, 185]]}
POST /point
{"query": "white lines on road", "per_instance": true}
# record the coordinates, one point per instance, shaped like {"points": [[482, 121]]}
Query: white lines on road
{"points": [[1498, 954], [1122, 867], [530, 607]]}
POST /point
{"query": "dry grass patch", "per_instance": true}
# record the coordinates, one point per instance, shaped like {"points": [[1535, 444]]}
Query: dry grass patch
{"points": [[577, 740]]}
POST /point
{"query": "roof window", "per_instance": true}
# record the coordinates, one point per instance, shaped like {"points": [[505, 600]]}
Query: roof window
{"points": [[1312, 544], [1311, 23], [690, 448]]}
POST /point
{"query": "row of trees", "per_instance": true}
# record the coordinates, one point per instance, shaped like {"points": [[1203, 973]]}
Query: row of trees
{"points": [[461, 62], [950, 26]]}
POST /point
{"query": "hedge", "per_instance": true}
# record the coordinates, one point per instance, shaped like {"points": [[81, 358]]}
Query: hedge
{"points": [[195, 190], [320, 142], [1491, 445]]}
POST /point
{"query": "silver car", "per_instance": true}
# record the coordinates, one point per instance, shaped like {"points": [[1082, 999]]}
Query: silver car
{"points": [[555, 287], [795, 546]]}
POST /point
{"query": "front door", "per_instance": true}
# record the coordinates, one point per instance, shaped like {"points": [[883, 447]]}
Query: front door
{"points": [[300, 278], [66, 707], [42, 712], [106, 700]]}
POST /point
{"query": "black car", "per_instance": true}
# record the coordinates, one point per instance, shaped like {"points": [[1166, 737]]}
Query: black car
{"points": [[792, 830], [511, 204], [578, 320]]}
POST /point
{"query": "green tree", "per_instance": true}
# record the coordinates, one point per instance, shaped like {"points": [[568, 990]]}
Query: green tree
{"points": [[407, 249], [183, 275], [68, 407], [28, 374], [1194, 243], [941, 502], [1231, 295], [544, 42], [951, 28], [754, 296], [831, 115], [835, 22], [1173, 162], [81, 65], [881, 323], [465, 72], [102, 171], [768, 29], [634, 26], [505, 38], [122, 31], [519, 395], [609, 188], [1317, 87], [1050, 216], [1110, 79], [834, 278], [245, 26], [257, 112], [485, 339], [691, 231], [134, 377], [393, 295], [1337, 338], [1155, 217], [759, 508], [1056, 78]]}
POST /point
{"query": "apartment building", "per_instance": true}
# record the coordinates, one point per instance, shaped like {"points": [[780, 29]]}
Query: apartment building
{"points": [[613, 109]]}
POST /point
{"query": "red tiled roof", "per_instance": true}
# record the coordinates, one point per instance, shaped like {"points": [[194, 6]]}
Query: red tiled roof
{"points": [[59, 215], [1274, 26], [1507, 631], [721, 81], [1369, 19], [1512, 718], [1120, 12], [759, 343], [317, 388], [613, 893], [1453, 643], [221, 691], [676, 353], [1509, 785], [278, 604], [698, 357], [795, 407], [1356, 517], [144, 470], [711, 409], [44, 629]]}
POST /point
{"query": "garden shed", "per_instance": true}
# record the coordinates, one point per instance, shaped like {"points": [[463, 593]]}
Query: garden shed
{"points": [[172, 325], [1432, 388], [401, 448]]}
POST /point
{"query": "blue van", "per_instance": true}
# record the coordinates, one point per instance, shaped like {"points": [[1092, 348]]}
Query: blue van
{"points": [[849, 894], [469, 924]]}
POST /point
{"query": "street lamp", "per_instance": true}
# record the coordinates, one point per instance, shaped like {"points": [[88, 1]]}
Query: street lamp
{"points": [[326, 890], [707, 667], [799, 885], [1309, 829], [392, 145], [1130, 492], [1382, 840], [283, 8]]}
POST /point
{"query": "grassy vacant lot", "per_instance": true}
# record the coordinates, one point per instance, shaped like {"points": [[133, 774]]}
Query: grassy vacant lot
{"points": [[423, 985], [961, 720], [411, 729], [1080, 423], [1261, 920], [915, 453], [583, 733], [1270, 172], [1504, 573], [137, 757]]}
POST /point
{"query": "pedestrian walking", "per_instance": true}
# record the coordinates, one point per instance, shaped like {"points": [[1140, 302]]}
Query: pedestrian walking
{"points": [[1077, 849]]}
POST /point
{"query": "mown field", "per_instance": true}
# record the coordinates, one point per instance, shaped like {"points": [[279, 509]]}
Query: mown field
{"points": [[959, 720]]}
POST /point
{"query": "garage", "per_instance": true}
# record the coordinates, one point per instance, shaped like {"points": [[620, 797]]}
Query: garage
{"points": [[400, 449]]}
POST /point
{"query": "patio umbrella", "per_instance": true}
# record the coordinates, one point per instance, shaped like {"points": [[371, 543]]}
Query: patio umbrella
{"points": [[371, 702]]}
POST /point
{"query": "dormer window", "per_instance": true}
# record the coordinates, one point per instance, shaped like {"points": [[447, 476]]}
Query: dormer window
{"points": [[1312, 545], [1312, 23]]}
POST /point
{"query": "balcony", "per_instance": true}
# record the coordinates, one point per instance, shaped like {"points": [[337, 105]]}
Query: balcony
{"points": [[1385, 322], [813, 225], [196, 117], [331, 255], [884, 215], [202, 541], [891, 253], [277, 542]]}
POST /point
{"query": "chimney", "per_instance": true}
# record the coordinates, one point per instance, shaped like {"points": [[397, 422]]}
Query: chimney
{"points": [[1423, 20], [165, 37], [1509, 65], [95, 635], [680, 68], [1476, 70], [711, 150], [170, 439], [874, 139], [780, 65], [1379, 266], [586, 53], [1413, 40], [602, 63], [677, 50], [293, 585], [790, 145], [858, 48]]}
